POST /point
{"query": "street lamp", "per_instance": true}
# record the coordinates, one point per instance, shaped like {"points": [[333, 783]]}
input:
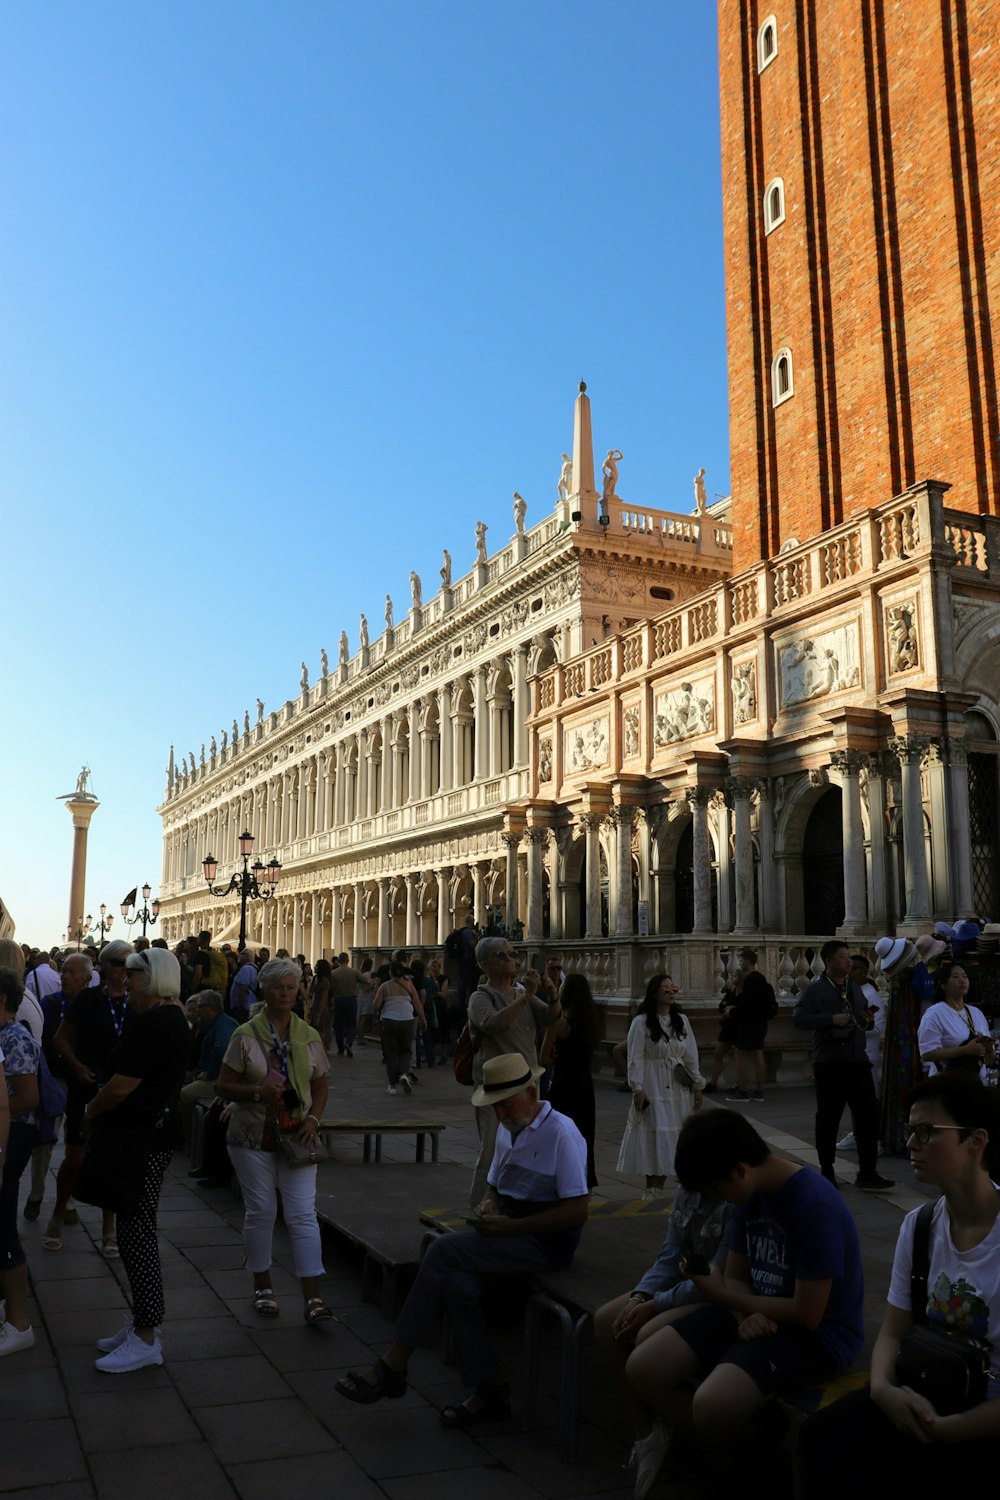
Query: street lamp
{"points": [[147, 914], [255, 882]]}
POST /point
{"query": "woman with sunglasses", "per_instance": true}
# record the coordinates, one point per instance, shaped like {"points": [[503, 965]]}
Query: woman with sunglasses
{"points": [[888, 1432], [134, 1124]]}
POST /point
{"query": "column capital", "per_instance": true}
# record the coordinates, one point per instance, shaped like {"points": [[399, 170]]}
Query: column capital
{"points": [[510, 840], [535, 836], [741, 788], [590, 821], [957, 754], [849, 762], [699, 796], [908, 748], [621, 815]]}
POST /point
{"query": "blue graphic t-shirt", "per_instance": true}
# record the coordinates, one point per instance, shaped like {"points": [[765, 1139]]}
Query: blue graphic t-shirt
{"points": [[804, 1232]]}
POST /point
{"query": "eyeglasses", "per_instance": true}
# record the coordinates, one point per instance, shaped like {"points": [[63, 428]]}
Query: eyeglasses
{"points": [[116, 963], [926, 1133]]}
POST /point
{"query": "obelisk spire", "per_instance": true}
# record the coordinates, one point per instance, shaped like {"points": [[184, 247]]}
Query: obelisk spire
{"points": [[583, 500]]}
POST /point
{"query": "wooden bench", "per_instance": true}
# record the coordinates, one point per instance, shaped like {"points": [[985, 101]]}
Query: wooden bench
{"points": [[376, 1129]]}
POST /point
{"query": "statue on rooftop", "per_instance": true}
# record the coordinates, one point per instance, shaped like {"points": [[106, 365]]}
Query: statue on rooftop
{"points": [[260, 710], [566, 478], [520, 511], [213, 748], [388, 612], [611, 463], [446, 569], [364, 632], [345, 650], [324, 663], [304, 679], [225, 741], [416, 590], [700, 498], [481, 530]]}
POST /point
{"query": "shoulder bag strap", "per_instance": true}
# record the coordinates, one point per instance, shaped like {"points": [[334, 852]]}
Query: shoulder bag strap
{"points": [[920, 1265]]}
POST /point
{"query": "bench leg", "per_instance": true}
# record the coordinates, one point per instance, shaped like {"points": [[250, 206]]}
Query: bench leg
{"points": [[378, 1148], [569, 1371], [420, 1145], [368, 1148], [435, 1139]]}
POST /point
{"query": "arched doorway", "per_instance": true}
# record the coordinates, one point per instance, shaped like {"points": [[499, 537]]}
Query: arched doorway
{"points": [[823, 865]]}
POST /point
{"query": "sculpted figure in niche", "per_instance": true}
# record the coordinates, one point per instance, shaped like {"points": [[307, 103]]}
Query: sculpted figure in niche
{"points": [[364, 632], [631, 731], [416, 590], [446, 569], [700, 498], [388, 612], [565, 487], [520, 511], [545, 760], [481, 529], [344, 648], [304, 679], [744, 687], [611, 463], [902, 634]]}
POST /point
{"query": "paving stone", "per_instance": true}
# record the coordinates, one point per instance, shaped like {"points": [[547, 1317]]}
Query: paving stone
{"points": [[79, 1376], [217, 1257], [169, 1220], [191, 1299], [190, 1469], [263, 1430], [80, 1489], [317, 1389], [45, 1452], [215, 1382], [64, 1265], [407, 1442], [534, 1457], [236, 1284], [491, 1481], [208, 1234], [39, 1393], [87, 1325], [80, 1296], [123, 1418], [309, 1474], [206, 1338], [328, 1347]]}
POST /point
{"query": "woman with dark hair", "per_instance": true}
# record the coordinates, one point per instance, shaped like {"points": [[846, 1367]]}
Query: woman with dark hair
{"points": [[398, 1008], [666, 1085], [954, 1036], [320, 1015], [890, 1431], [19, 1055], [569, 1046]]}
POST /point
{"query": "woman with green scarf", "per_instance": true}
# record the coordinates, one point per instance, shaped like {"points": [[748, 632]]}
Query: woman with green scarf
{"points": [[274, 1073]]}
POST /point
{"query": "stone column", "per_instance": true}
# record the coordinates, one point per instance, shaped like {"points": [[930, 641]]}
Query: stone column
{"points": [[535, 838], [478, 905], [698, 799], [849, 763], [871, 784], [959, 837], [482, 723], [511, 913], [384, 930], [765, 835], [443, 922], [591, 823], [741, 790], [908, 750], [521, 707], [359, 931], [340, 786], [388, 766], [315, 932], [942, 859], [447, 738], [336, 921], [412, 922], [81, 809], [623, 818], [415, 762]]}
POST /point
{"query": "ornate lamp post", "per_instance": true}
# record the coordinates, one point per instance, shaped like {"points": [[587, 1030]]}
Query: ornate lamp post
{"points": [[255, 882], [103, 926], [147, 914], [79, 932]]}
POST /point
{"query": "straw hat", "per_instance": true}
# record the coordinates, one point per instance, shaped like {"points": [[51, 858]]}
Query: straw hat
{"points": [[894, 955], [929, 948], [503, 1077]]}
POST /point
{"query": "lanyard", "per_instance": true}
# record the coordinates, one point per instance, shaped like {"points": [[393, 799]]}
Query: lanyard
{"points": [[117, 1018], [281, 1050]]}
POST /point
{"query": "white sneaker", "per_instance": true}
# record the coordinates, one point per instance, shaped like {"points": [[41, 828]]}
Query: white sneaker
{"points": [[390, 1089], [647, 1457], [115, 1339], [131, 1354], [13, 1340], [407, 1086], [847, 1143]]}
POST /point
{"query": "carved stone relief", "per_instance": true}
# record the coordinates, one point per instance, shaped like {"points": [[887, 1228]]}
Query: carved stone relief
{"points": [[631, 731], [684, 711], [586, 746], [545, 760], [817, 666], [901, 636], [744, 690]]}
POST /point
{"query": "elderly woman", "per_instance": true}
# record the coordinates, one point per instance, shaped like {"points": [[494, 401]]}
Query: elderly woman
{"points": [[134, 1128], [19, 1053], [275, 1073], [502, 1019]]}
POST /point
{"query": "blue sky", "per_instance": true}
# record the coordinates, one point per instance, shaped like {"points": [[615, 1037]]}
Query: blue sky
{"points": [[293, 294]]}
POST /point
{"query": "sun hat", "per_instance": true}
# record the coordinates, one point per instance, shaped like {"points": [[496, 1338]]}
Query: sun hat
{"points": [[964, 937], [894, 955], [503, 1077], [929, 947], [943, 930]]}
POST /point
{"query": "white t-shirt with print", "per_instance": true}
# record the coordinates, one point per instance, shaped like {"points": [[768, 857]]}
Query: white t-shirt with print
{"points": [[943, 1026], [963, 1287]]}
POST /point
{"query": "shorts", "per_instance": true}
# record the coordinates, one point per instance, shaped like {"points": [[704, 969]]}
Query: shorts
{"points": [[728, 1032], [77, 1099], [781, 1362], [750, 1037]]}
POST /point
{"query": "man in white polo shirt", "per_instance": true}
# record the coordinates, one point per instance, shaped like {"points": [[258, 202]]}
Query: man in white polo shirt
{"points": [[530, 1219]]}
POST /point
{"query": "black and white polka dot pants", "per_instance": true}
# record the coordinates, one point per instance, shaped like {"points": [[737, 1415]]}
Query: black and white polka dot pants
{"points": [[139, 1249]]}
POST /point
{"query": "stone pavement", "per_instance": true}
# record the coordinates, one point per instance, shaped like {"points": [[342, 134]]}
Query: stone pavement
{"points": [[245, 1408]]}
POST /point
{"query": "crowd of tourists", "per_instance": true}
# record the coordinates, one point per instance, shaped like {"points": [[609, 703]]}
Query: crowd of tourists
{"points": [[757, 1291]]}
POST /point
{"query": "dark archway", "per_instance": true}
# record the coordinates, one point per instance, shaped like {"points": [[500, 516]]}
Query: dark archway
{"points": [[823, 865]]}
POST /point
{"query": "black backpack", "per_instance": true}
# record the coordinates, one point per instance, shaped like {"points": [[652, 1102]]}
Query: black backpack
{"points": [[453, 944]]}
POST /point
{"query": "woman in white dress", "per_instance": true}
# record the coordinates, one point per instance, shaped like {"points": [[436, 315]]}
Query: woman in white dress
{"points": [[666, 1085], [954, 1036]]}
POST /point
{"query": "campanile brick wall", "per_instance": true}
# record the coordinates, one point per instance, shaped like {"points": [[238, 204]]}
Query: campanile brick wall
{"points": [[883, 119]]}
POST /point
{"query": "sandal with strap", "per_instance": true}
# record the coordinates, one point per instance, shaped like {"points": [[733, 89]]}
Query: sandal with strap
{"points": [[265, 1303], [388, 1383], [490, 1406], [316, 1311], [109, 1248], [52, 1238]]}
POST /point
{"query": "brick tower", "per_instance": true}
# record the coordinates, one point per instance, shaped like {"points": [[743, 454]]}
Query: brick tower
{"points": [[861, 199]]}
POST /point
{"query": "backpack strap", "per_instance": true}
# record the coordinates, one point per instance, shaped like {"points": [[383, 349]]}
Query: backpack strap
{"points": [[920, 1265]]}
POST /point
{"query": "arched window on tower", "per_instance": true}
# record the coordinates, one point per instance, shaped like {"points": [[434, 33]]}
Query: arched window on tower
{"points": [[782, 380], [774, 204], [767, 43]]}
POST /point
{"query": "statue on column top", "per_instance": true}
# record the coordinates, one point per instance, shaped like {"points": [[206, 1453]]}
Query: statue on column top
{"points": [[520, 511], [565, 487], [446, 569], [388, 612], [700, 497], [81, 781], [481, 530], [344, 649], [416, 590]]}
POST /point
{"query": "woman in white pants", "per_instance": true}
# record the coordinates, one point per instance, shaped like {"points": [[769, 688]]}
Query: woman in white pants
{"points": [[275, 1073]]}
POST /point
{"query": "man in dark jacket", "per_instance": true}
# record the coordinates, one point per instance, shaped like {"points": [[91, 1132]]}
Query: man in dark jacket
{"points": [[834, 1009], [755, 1006]]}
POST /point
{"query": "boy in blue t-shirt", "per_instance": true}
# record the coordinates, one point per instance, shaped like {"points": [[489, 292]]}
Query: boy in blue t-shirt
{"points": [[787, 1310]]}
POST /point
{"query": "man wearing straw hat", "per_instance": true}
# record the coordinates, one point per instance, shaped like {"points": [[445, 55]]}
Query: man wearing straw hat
{"points": [[530, 1219]]}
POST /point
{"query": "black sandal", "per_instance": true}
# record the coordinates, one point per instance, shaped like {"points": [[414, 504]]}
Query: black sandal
{"points": [[388, 1383], [493, 1406]]}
